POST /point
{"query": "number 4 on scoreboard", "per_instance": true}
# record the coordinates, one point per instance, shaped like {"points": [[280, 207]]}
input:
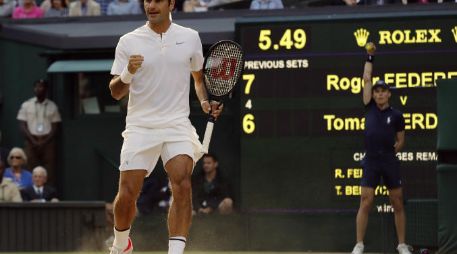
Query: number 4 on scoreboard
{"points": [[248, 104]]}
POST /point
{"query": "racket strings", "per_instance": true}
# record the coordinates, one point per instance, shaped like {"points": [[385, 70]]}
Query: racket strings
{"points": [[223, 68]]}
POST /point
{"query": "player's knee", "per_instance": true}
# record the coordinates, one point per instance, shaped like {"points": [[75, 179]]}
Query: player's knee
{"points": [[181, 189], [127, 194]]}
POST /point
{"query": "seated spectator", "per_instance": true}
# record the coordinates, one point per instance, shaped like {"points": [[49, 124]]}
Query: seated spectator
{"points": [[8, 190], [6, 8], [194, 6], [58, 9], [369, 2], [16, 172], [28, 10], [266, 4], [203, 5], [46, 5], [155, 194], [39, 191], [84, 8], [210, 190], [123, 7]]}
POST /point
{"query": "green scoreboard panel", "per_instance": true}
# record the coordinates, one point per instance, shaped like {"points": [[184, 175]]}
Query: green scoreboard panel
{"points": [[302, 117]]}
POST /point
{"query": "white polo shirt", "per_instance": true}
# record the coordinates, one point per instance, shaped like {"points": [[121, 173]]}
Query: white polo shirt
{"points": [[39, 116], [159, 92]]}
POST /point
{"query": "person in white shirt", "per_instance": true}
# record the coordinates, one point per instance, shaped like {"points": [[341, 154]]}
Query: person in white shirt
{"points": [[152, 65], [38, 118]]}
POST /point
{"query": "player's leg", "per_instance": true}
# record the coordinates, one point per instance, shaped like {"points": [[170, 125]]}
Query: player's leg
{"points": [[179, 169], [130, 184], [139, 155]]}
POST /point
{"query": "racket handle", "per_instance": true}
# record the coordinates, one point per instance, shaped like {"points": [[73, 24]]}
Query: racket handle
{"points": [[207, 137]]}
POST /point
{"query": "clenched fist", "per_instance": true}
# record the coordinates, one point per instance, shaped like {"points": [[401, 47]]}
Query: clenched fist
{"points": [[135, 62]]}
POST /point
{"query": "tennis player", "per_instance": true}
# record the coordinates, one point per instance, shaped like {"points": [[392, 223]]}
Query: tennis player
{"points": [[384, 137], [153, 65]]}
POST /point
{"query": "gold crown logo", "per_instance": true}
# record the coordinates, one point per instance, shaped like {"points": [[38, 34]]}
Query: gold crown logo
{"points": [[454, 32], [361, 36]]}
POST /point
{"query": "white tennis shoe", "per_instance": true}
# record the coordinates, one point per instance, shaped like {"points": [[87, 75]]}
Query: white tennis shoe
{"points": [[403, 249], [127, 250], [358, 248]]}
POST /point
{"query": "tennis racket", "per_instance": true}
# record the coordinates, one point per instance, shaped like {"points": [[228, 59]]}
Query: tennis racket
{"points": [[221, 71]]}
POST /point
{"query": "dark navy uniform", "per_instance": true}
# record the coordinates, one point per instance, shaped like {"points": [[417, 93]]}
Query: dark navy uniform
{"points": [[381, 127]]}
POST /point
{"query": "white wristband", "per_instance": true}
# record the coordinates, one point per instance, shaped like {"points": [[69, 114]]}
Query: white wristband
{"points": [[126, 76]]}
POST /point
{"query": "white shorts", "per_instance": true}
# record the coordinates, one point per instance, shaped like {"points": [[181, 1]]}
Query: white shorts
{"points": [[142, 147]]}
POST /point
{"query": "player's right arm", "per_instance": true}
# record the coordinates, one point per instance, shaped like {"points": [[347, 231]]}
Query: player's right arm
{"points": [[118, 88], [119, 84], [367, 73]]}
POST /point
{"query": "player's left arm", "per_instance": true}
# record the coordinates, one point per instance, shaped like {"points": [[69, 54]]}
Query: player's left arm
{"points": [[399, 141], [202, 95]]}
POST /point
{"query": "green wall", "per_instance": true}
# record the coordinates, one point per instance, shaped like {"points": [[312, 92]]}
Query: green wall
{"points": [[20, 65]]}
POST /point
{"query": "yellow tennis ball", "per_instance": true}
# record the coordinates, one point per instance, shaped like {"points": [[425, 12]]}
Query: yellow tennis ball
{"points": [[370, 47]]}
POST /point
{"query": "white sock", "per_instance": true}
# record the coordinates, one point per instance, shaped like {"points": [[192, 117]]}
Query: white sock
{"points": [[121, 238], [176, 245]]}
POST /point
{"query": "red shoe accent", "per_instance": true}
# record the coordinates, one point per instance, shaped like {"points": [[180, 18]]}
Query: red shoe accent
{"points": [[129, 246]]}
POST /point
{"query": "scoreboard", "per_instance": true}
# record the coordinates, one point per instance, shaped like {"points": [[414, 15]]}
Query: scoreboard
{"points": [[302, 116]]}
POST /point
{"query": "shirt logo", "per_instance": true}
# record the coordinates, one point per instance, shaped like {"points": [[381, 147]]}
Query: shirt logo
{"points": [[179, 43], [388, 120]]}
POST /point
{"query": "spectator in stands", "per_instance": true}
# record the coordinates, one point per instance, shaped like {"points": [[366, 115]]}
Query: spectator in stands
{"points": [[194, 6], [9, 192], [38, 119], [123, 7], [84, 8], [103, 6], [266, 4], [16, 172], [369, 2], [46, 5], [28, 10], [154, 195], [210, 190], [58, 9], [203, 5], [39, 191], [6, 8]]}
